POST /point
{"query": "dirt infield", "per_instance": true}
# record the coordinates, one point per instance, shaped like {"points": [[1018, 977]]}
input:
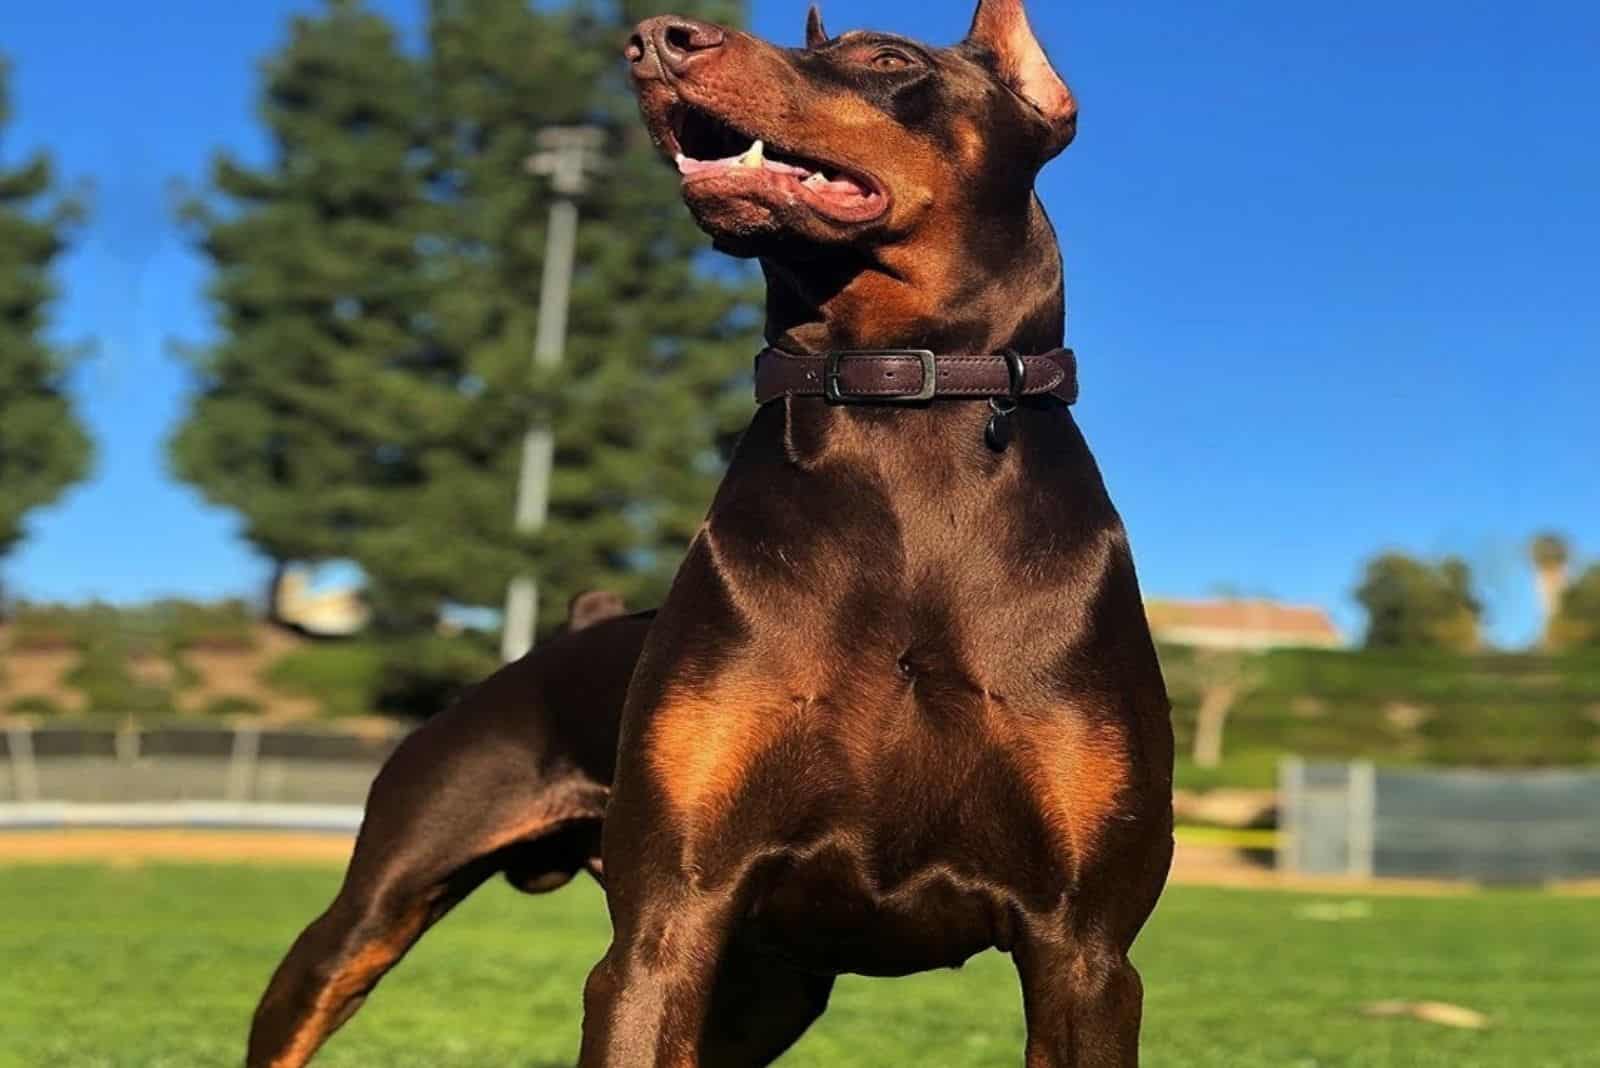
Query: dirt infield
{"points": [[1195, 865], [172, 846]]}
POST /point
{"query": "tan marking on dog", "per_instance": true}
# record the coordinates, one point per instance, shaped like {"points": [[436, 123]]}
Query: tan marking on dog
{"points": [[912, 166], [970, 143], [702, 745], [337, 1001], [1081, 773]]}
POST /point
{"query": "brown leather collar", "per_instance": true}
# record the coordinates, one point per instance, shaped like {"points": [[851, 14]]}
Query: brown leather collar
{"points": [[909, 376]]}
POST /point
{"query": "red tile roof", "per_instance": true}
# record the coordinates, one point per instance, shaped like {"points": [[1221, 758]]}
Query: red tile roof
{"points": [[1265, 621]]}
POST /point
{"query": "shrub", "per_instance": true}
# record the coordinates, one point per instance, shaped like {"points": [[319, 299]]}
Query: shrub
{"points": [[35, 705], [223, 626], [103, 676], [233, 707], [342, 675], [45, 628], [423, 676], [408, 677]]}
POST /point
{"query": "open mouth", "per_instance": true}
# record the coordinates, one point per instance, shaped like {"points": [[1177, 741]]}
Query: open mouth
{"points": [[709, 148]]}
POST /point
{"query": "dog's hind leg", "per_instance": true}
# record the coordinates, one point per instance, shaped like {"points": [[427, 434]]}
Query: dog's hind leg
{"points": [[419, 854], [513, 779]]}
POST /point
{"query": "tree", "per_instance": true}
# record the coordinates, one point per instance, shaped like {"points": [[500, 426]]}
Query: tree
{"points": [[1221, 678], [656, 349], [301, 414], [1412, 604], [370, 393], [1576, 625], [43, 448], [1551, 556]]}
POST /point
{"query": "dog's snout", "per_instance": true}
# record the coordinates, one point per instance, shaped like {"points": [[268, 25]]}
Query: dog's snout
{"points": [[675, 42]]}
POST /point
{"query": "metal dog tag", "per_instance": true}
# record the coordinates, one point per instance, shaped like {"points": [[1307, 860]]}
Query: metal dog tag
{"points": [[998, 433]]}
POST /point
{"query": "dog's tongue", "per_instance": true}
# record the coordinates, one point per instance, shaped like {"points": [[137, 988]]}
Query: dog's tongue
{"points": [[756, 159]]}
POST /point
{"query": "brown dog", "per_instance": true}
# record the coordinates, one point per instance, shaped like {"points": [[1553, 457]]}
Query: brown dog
{"points": [[902, 704]]}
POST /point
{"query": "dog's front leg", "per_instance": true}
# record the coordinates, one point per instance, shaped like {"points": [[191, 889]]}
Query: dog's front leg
{"points": [[647, 1001], [1083, 1003]]}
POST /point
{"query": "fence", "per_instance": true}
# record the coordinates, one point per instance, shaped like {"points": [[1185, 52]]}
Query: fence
{"points": [[1485, 826], [177, 776]]}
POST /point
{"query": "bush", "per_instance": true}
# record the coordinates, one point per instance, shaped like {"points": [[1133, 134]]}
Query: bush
{"points": [[408, 677], [108, 642], [45, 629], [224, 626], [342, 675], [424, 676], [35, 705], [232, 707]]}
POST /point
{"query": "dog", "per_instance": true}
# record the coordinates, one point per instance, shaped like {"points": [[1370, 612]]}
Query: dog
{"points": [[901, 705]]}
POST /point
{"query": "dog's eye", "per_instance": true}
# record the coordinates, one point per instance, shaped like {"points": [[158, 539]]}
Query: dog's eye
{"points": [[890, 59]]}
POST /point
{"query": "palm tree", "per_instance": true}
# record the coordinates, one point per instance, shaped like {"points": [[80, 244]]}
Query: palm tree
{"points": [[1551, 556]]}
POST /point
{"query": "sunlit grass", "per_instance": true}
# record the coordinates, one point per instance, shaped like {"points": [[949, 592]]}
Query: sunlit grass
{"points": [[159, 966]]}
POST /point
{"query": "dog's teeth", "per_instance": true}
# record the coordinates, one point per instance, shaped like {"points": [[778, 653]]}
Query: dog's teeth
{"points": [[756, 158], [816, 180]]}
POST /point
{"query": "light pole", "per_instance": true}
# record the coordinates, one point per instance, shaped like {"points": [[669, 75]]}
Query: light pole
{"points": [[567, 156]]}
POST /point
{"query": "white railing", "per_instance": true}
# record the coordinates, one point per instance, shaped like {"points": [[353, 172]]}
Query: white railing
{"points": [[60, 776]]}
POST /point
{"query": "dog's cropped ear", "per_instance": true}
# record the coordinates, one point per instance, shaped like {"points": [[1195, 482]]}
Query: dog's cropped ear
{"points": [[816, 33], [596, 606], [1001, 28]]}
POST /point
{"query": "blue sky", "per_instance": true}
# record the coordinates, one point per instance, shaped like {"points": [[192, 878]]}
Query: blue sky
{"points": [[1333, 275]]}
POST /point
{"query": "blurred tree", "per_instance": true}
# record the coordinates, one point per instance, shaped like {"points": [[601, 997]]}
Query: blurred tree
{"points": [[43, 448], [1551, 556], [1576, 624], [1220, 678], [388, 428], [655, 347], [1414, 604], [303, 410]]}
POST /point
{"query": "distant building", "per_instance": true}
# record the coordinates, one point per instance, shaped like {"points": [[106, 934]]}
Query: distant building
{"points": [[1243, 625], [337, 613]]}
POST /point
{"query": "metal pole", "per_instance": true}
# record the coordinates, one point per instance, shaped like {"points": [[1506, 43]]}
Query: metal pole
{"points": [[242, 764], [1291, 792], [568, 157], [24, 771], [1362, 814]]}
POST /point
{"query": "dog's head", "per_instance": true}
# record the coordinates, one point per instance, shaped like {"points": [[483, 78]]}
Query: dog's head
{"points": [[867, 140]]}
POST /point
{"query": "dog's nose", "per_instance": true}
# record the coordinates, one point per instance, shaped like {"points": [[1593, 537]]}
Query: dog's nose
{"points": [[675, 41]]}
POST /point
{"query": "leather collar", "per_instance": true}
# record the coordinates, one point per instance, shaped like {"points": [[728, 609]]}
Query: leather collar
{"points": [[910, 376]]}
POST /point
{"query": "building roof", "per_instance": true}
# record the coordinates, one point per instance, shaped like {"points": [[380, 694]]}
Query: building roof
{"points": [[1242, 624]]}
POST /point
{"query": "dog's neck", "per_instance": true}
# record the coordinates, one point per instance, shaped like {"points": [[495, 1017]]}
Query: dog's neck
{"points": [[982, 292]]}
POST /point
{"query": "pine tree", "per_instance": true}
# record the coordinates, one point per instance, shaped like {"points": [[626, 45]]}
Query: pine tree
{"points": [[43, 449], [378, 286], [301, 414], [655, 348]]}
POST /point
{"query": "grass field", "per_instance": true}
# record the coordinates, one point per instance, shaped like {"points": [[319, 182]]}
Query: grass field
{"points": [[157, 967]]}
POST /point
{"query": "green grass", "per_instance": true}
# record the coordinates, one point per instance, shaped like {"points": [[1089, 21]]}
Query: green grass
{"points": [[158, 968], [1403, 707]]}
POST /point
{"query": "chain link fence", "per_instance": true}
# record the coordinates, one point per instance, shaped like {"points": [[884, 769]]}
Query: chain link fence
{"points": [[1483, 826]]}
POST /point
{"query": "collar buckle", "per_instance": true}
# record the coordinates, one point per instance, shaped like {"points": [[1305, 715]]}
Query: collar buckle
{"points": [[832, 386]]}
